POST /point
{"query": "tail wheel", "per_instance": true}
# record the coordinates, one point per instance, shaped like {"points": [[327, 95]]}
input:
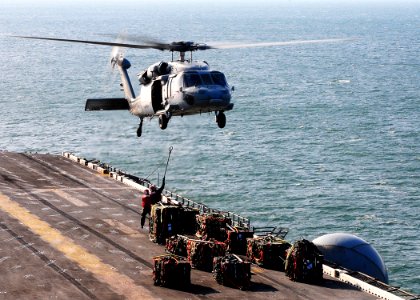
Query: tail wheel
{"points": [[221, 119], [139, 129], [163, 121]]}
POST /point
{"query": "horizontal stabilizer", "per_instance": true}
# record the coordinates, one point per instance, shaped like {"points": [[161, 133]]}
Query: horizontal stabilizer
{"points": [[107, 104]]}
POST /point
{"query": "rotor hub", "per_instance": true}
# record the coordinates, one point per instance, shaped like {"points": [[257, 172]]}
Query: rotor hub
{"points": [[186, 46]]}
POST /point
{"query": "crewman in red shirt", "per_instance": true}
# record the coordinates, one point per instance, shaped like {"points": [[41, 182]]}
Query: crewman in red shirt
{"points": [[146, 203], [156, 194]]}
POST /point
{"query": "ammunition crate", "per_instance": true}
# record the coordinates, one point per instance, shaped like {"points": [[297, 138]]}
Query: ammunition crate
{"points": [[268, 252], [213, 226], [201, 253], [165, 221], [171, 271], [177, 245], [189, 220], [237, 240], [304, 262], [232, 271]]}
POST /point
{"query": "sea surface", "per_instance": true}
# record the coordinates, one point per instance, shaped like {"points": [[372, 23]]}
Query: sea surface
{"points": [[323, 137]]}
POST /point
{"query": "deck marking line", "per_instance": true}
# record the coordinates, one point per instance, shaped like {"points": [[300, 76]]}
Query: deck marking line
{"points": [[69, 198], [257, 269], [122, 227], [119, 283]]}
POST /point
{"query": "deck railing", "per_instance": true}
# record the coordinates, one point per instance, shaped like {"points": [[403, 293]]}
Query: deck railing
{"points": [[237, 220], [136, 182]]}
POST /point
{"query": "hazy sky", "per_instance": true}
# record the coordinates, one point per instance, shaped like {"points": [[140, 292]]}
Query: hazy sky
{"points": [[239, 2]]}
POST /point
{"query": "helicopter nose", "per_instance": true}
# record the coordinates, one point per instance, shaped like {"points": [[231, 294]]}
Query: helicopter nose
{"points": [[222, 94], [204, 96]]}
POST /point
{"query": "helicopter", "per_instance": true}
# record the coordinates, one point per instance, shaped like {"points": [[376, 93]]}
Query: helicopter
{"points": [[172, 88]]}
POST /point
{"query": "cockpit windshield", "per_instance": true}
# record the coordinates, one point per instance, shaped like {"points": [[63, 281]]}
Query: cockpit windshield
{"points": [[218, 78], [204, 78], [192, 79]]}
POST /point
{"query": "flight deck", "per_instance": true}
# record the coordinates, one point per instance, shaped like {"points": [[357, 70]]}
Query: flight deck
{"points": [[69, 231]]}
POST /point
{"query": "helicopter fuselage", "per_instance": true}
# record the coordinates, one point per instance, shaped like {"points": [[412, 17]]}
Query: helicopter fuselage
{"points": [[167, 89], [180, 88]]}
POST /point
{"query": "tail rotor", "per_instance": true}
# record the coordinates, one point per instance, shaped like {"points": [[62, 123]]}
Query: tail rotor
{"points": [[118, 52]]}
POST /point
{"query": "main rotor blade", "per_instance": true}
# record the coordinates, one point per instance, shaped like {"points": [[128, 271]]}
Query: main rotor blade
{"points": [[189, 46], [136, 38], [115, 44], [268, 44]]}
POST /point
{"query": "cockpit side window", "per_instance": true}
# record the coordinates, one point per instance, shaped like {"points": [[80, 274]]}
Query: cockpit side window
{"points": [[192, 79], [218, 78]]}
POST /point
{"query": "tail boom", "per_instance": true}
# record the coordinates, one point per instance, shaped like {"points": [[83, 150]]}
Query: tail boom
{"points": [[123, 65]]}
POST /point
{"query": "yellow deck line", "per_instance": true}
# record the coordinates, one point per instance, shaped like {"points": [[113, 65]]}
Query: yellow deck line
{"points": [[119, 283], [257, 269]]}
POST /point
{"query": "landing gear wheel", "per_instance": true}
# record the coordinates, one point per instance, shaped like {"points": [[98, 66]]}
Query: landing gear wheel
{"points": [[163, 121], [139, 130], [221, 119]]}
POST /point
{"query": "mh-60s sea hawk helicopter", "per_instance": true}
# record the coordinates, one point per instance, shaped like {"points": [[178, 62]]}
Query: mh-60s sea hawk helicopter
{"points": [[176, 88]]}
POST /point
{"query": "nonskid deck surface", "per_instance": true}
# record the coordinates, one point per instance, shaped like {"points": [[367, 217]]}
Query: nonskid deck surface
{"points": [[69, 232]]}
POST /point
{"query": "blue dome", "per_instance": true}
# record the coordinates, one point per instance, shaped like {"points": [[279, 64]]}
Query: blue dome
{"points": [[352, 252]]}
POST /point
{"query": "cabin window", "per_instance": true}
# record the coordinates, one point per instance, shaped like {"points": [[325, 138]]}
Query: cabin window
{"points": [[175, 84]]}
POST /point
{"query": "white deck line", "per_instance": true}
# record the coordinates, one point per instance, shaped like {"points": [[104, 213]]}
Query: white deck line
{"points": [[343, 276], [69, 198]]}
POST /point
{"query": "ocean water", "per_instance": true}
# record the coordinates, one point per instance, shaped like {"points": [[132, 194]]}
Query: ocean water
{"points": [[323, 137]]}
